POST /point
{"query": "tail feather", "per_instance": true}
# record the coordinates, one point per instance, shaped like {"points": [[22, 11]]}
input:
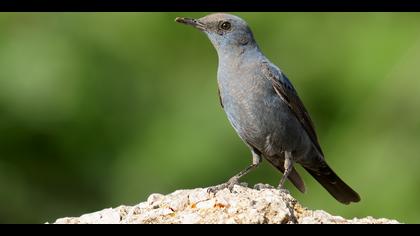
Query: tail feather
{"points": [[295, 178], [333, 184]]}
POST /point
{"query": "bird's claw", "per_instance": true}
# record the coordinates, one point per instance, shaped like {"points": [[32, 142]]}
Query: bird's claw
{"points": [[229, 185], [261, 186], [283, 190]]}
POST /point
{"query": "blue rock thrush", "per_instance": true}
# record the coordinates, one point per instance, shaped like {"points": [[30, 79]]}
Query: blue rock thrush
{"points": [[264, 108]]}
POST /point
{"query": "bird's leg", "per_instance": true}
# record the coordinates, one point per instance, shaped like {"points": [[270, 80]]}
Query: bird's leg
{"points": [[256, 160], [288, 166]]}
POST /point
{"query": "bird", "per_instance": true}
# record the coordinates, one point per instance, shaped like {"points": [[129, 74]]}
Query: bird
{"points": [[264, 108]]}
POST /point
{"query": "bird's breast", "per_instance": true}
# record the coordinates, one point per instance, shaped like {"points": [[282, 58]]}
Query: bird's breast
{"points": [[248, 101], [256, 111]]}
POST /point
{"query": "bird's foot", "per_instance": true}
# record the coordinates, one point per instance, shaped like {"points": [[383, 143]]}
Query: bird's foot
{"points": [[261, 186], [282, 189], [229, 185]]}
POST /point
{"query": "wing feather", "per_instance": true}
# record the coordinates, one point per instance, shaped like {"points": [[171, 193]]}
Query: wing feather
{"points": [[285, 90]]}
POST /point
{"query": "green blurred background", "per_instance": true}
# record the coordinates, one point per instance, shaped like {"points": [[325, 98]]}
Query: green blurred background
{"points": [[103, 109]]}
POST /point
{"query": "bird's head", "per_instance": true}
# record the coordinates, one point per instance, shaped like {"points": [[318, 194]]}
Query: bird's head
{"points": [[225, 31]]}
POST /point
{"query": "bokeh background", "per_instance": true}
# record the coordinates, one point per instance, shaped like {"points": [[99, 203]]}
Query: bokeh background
{"points": [[103, 109]]}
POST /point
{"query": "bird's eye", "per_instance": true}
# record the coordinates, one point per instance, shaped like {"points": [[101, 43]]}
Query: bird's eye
{"points": [[225, 25]]}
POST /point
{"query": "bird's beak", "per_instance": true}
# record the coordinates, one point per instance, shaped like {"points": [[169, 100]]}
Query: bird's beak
{"points": [[193, 22]]}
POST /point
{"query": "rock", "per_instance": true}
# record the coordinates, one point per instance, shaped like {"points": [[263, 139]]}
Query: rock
{"points": [[243, 205]]}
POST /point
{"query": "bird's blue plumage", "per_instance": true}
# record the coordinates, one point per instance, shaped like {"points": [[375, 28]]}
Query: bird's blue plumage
{"points": [[264, 108]]}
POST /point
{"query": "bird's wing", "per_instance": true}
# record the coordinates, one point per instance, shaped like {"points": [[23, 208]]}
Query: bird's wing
{"points": [[288, 94]]}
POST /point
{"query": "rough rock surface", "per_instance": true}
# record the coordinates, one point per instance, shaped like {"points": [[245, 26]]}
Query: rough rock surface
{"points": [[243, 205]]}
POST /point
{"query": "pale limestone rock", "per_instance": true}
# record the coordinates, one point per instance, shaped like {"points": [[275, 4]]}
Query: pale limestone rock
{"points": [[155, 199], [243, 205]]}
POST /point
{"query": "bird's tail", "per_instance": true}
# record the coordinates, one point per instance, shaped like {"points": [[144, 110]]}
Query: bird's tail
{"points": [[333, 184]]}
